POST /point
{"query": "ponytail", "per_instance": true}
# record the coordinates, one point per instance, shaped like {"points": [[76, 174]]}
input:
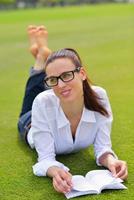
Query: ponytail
{"points": [[91, 99]]}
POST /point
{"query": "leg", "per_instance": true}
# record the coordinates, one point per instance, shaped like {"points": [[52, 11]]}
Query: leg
{"points": [[35, 83], [34, 86]]}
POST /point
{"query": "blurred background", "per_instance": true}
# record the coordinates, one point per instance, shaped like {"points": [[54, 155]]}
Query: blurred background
{"points": [[18, 4]]}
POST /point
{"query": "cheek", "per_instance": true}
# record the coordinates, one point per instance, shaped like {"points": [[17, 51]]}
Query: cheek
{"points": [[78, 86], [55, 89], [79, 81]]}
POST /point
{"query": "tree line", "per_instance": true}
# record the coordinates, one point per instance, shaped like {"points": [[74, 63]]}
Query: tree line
{"points": [[35, 3]]}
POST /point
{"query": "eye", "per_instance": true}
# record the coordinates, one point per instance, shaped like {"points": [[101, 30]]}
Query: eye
{"points": [[67, 76], [52, 80]]}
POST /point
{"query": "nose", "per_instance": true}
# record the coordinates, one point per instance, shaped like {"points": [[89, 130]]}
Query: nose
{"points": [[61, 83]]}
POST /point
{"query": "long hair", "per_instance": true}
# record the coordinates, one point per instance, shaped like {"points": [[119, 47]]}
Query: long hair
{"points": [[91, 98]]}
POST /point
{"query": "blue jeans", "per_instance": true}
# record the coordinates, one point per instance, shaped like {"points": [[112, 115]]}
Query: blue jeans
{"points": [[34, 86]]}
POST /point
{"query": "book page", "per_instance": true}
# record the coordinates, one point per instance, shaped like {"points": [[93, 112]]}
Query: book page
{"points": [[81, 184], [103, 179]]}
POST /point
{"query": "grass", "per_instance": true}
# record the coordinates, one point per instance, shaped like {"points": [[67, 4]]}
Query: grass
{"points": [[104, 37]]}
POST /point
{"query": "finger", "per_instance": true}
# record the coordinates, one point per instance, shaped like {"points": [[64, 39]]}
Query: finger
{"points": [[61, 180], [113, 170], [124, 176], [68, 178], [67, 188], [61, 186], [56, 187], [121, 168], [123, 172]]}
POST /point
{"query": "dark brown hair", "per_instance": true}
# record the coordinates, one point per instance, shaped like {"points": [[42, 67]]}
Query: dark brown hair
{"points": [[91, 98]]}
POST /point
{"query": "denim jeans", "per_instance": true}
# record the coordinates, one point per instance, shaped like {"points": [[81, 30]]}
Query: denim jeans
{"points": [[34, 86]]}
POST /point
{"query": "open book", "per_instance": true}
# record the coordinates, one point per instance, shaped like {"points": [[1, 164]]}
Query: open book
{"points": [[93, 183]]}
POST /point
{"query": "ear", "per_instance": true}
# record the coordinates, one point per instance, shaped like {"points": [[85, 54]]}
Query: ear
{"points": [[83, 74]]}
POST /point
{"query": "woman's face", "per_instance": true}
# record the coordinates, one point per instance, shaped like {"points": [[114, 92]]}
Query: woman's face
{"points": [[66, 91]]}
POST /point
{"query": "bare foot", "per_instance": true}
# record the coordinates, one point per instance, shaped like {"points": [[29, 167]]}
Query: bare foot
{"points": [[42, 38], [38, 36], [32, 31]]}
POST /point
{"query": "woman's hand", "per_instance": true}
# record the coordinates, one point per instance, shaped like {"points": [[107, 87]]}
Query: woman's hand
{"points": [[117, 167], [61, 179]]}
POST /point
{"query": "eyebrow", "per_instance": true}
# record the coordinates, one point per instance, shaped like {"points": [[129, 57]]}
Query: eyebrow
{"points": [[60, 74]]}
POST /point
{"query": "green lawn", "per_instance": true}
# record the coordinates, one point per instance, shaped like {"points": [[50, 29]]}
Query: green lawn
{"points": [[104, 37]]}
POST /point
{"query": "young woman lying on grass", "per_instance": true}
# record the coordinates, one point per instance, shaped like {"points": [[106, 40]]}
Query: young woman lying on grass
{"points": [[68, 113]]}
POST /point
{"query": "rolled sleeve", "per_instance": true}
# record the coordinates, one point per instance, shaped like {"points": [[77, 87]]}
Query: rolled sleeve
{"points": [[40, 168]]}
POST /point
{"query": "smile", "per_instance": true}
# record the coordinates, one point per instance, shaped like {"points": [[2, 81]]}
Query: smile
{"points": [[65, 93]]}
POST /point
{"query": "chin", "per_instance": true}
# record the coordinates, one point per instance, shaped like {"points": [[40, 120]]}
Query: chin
{"points": [[67, 99]]}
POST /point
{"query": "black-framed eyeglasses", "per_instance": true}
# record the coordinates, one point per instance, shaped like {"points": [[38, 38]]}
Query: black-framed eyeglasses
{"points": [[65, 77]]}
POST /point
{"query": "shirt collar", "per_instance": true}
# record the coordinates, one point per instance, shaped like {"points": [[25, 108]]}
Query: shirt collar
{"points": [[87, 116]]}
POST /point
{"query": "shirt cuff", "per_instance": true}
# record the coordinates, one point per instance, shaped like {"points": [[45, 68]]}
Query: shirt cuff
{"points": [[40, 168], [103, 152]]}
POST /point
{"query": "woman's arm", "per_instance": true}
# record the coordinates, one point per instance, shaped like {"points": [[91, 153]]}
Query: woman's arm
{"points": [[45, 147], [43, 138], [103, 147]]}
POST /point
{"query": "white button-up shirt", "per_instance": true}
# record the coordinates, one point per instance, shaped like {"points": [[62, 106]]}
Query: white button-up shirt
{"points": [[51, 132]]}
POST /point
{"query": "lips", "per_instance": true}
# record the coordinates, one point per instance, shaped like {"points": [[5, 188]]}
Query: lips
{"points": [[65, 93]]}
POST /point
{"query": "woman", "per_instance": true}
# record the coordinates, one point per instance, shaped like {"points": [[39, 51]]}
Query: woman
{"points": [[70, 116]]}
